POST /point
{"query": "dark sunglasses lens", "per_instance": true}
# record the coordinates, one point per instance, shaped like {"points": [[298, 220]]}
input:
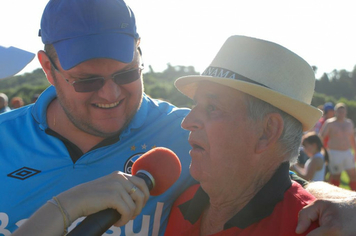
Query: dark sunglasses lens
{"points": [[89, 85], [127, 77]]}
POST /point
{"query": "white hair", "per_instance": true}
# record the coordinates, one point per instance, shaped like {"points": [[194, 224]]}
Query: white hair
{"points": [[292, 132]]}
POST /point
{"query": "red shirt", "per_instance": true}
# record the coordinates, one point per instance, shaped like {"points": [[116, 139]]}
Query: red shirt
{"points": [[272, 212]]}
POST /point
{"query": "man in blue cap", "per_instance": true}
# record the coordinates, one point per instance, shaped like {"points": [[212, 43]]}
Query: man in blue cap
{"points": [[95, 118], [328, 112]]}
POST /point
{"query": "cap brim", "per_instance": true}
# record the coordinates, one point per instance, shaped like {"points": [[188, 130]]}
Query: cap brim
{"points": [[305, 113], [13, 60], [71, 52]]}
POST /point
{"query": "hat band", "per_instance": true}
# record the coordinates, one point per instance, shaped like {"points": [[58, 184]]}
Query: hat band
{"points": [[228, 74]]}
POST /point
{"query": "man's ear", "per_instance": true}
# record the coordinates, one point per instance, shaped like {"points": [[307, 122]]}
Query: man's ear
{"points": [[272, 130], [46, 65]]}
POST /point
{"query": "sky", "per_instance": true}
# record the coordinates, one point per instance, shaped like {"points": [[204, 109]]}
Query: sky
{"points": [[191, 32]]}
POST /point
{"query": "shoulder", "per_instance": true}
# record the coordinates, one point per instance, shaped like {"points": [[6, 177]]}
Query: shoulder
{"points": [[321, 120], [330, 121], [318, 155], [15, 116], [164, 117], [166, 108], [297, 196], [350, 121], [284, 218], [295, 199]]}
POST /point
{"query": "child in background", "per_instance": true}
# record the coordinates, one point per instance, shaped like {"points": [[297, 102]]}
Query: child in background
{"points": [[314, 168]]}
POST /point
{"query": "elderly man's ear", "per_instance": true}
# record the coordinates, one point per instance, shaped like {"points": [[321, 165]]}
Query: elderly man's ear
{"points": [[272, 128]]}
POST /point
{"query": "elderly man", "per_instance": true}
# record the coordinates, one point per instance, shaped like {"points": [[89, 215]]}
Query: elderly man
{"points": [[252, 106]]}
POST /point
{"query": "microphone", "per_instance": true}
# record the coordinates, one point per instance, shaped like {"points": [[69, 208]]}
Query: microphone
{"points": [[159, 168]]}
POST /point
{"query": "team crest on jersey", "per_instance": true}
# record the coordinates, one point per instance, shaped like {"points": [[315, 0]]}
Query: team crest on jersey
{"points": [[135, 148], [130, 161]]}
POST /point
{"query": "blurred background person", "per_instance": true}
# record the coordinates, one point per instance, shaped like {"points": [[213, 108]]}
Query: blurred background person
{"points": [[328, 112], [340, 131], [4, 100], [16, 102], [314, 168]]}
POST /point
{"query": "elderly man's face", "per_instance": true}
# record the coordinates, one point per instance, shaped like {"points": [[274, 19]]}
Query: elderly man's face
{"points": [[222, 137]]}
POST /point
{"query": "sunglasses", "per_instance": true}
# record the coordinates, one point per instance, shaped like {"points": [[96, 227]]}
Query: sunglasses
{"points": [[96, 83]]}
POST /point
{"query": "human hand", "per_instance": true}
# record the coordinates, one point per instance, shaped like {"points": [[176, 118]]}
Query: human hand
{"points": [[336, 217], [111, 191]]}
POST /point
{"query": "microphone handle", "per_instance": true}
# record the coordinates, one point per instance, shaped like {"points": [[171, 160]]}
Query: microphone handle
{"points": [[98, 223]]}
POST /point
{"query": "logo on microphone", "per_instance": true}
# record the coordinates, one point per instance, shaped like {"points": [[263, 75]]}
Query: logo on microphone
{"points": [[130, 161]]}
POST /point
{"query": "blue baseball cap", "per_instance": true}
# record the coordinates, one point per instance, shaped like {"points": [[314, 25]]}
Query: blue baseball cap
{"points": [[328, 106], [81, 30]]}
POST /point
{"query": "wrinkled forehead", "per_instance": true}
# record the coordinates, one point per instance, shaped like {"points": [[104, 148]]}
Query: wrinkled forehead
{"points": [[224, 95], [206, 86]]}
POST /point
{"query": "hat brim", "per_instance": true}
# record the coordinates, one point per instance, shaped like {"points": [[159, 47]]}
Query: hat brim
{"points": [[13, 60], [116, 46], [305, 113]]}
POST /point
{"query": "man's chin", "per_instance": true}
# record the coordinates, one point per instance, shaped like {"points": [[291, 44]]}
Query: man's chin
{"points": [[107, 132], [103, 132], [195, 173]]}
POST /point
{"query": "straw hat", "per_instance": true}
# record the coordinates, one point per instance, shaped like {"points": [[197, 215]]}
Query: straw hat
{"points": [[264, 70]]}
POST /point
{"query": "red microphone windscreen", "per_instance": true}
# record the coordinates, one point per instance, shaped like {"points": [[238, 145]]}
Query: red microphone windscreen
{"points": [[163, 164]]}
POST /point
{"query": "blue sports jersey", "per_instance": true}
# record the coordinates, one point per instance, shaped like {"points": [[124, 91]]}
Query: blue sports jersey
{"points": [[35, 166]]}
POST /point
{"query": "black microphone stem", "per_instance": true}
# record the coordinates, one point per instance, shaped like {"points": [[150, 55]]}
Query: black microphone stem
{"points": [[98, 223]]}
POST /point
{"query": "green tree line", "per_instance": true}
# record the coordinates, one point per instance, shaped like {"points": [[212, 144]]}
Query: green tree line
{"points": [[156, 84], [337, 86]]}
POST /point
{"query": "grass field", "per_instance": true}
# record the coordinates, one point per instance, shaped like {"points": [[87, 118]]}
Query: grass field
{"points": [[344, 180]]}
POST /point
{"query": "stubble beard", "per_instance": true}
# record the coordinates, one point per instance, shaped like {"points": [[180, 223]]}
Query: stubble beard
{"points": [[85, 125]]}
